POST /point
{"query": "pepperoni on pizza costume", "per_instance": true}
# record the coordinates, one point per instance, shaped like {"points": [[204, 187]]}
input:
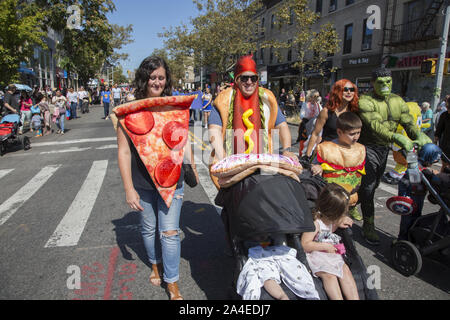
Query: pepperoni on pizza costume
{"points": [[158, 128]]}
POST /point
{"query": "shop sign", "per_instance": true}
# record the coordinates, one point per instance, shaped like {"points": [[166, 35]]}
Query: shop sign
{"points": [[361, 61], [415, 61], [280, 70]]}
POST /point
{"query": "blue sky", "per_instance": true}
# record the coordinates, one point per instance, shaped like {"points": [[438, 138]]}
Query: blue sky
{"points": [[148, 18]]}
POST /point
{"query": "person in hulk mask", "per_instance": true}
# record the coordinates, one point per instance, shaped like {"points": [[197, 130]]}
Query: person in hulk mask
{"points": [[381, 112]]}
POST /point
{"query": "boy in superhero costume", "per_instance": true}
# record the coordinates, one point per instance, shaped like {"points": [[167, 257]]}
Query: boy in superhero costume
{"points": [[381, 112]]}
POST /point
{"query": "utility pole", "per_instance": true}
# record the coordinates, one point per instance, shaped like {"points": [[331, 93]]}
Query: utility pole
{"points": [[441, 61]]}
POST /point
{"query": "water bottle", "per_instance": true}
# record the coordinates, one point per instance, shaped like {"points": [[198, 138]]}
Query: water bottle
{"points": [[413, 168]]}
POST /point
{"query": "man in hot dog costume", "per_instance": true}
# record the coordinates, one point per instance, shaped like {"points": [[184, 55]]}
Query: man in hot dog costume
{"points": [[381, 112], [245, 117]]}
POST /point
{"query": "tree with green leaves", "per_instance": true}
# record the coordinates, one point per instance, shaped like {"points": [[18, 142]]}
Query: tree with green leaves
{"points": [[20, 31], [86, 48], [223, 30], [312, 43]]}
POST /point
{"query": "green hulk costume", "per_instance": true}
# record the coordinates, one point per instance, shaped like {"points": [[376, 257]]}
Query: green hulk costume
{"points": [[381, 112]]}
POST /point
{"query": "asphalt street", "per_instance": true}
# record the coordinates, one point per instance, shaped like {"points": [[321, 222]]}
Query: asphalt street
{"points": [[63, 214]]}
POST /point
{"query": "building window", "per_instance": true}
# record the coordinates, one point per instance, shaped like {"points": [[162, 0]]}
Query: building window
{"points": [[349, 2], [333, 6], [289, 55], [291, 16], [272, 22], [348, 38], [271, 55], [261, 56], [367, 37], [319, 6], [263, 22]]}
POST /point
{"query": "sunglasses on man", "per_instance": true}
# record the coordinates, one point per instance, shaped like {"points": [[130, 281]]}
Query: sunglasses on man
{"points": [[245, 78], [346, 89]]}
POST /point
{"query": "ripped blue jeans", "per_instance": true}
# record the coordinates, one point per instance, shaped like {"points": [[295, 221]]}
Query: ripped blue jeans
{"points": [[156, 219]]}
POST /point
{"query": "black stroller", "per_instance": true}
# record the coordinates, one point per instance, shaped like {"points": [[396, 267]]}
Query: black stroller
{"points": [[9, 134], [276, 210], [430, 234]]}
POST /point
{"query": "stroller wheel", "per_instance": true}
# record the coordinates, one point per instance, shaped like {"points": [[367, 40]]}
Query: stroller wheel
{"points": [[2, 149], [25, 143], [406, 258]]}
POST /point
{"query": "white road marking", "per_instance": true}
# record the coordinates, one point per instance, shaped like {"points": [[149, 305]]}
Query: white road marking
{"points": [[10, 206], [206, 183], [5, 172], [66, 150], [53, 143], [71, 227], [105, 147]]}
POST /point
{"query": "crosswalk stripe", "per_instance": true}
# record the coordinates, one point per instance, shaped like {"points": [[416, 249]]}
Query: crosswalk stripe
{"points": [[71, 227], [10, 206], [5, 172], [59, 142]]}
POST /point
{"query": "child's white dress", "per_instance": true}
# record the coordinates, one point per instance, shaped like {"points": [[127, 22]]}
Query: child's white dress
{"points": [[319, 261], [279, 264]]}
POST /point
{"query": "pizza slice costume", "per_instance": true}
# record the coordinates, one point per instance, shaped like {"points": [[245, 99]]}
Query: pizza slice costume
{"points": [[158, 129]]}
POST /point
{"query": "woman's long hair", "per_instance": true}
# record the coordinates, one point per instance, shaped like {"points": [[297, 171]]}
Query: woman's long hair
{"points": [[146, 68], [336, 96]]}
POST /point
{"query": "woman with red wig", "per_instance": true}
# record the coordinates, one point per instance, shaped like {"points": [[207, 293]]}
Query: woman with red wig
{"points": [[343, 98]]}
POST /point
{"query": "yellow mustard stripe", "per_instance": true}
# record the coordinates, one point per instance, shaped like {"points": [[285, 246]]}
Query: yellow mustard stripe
{"points": [[250, 127]]}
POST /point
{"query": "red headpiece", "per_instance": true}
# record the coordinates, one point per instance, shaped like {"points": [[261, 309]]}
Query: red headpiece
{"points": [[245, 63]]}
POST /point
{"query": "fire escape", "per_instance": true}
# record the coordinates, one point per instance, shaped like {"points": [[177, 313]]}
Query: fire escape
{"points": [[409, 34]]}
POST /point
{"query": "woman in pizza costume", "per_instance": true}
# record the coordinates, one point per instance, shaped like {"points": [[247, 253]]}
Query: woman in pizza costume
{"points": [[394, 176], [381, 112], [152, 136]]}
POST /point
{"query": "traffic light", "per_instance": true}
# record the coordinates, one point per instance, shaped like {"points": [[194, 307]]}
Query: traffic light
{"points": [[429, 66]]}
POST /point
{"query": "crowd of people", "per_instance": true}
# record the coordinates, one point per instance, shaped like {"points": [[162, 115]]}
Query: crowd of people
{"points": [[46, 110]]}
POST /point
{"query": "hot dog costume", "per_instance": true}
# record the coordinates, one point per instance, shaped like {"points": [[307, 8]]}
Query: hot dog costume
{"points": [[250, 120], [381, 112]]}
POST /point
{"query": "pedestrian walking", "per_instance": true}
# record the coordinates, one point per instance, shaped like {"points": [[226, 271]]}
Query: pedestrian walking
{"points": [[117, 94], [106, 101], [308, 112], [83, 100], [442, 134], [72, 97], [25, 109], [12, 100], [343, 98], [153, 79], [59, 113]]}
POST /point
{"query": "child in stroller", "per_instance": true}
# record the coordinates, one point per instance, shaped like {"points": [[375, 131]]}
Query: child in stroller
{"points": [[274, 211], [323, 247]]}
